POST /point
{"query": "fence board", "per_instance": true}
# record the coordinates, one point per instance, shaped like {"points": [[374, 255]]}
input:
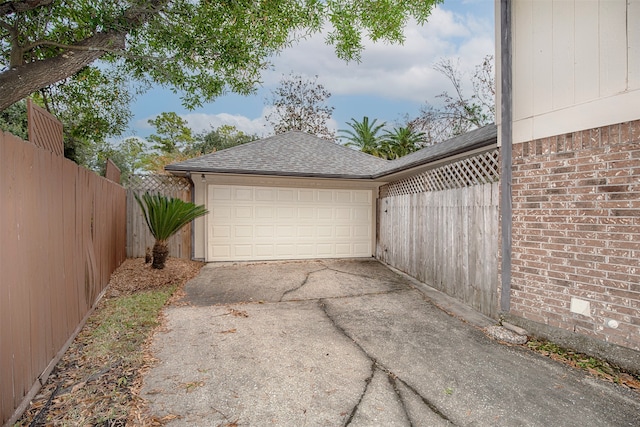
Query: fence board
{"points": [[447, 239], [53, 216]]}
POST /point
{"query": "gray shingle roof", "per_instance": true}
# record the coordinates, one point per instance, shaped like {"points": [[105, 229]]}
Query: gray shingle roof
{"points": [[300, 154]]}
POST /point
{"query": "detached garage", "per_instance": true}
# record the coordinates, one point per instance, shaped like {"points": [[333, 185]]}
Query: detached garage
{"points": [[290, 196]]}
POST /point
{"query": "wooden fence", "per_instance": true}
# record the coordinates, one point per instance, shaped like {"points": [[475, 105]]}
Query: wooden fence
{"points": [[446, 238], [62, 230], [138, 236]]}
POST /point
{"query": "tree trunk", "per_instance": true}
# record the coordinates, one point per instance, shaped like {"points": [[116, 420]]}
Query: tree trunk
{"points": [[160, 254]]}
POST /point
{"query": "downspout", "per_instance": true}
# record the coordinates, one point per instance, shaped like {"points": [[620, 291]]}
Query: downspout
{"points": [[505, 153], [193, 227]]}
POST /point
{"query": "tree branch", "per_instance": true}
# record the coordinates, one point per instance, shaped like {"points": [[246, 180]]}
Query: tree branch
{"points": [[37, 43], [9, 7], [19, 82]]}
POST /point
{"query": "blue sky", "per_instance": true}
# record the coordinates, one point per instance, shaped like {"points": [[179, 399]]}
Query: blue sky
{"points": [[390, 82]]}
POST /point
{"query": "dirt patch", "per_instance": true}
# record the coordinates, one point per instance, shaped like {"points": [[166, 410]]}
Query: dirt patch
{"points": [[97, 380], [134, 276]]}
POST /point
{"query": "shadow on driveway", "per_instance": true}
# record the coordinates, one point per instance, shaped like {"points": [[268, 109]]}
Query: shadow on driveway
{"points": [[350, 342]]}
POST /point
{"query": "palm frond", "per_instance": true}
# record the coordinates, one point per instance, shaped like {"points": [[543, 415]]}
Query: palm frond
{"points": [[166, 216]]}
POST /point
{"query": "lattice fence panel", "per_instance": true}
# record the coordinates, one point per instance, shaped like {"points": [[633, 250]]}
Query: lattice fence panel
{"points": [[158, 183], [480, 169]]}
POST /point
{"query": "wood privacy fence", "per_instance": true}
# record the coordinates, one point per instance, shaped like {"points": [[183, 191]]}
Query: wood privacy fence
{"points": [[62, 230], [138, 236], [441, 227]]}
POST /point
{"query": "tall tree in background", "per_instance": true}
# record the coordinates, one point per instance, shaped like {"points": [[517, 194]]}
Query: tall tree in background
{"points": [[226, 136], [364, 135], [172, 133], [172, 140], [129, 155], [200, 48], [459, 112], [300, 104]]}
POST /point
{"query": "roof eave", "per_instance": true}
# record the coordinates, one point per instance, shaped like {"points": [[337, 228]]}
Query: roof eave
{"points": [[176, 170]]}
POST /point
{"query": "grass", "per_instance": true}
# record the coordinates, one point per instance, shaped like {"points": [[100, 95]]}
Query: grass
{"points": [[93, 383], [124, 323]]}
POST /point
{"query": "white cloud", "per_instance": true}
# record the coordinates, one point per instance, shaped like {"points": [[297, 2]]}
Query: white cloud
{"points": [[399, 72], [201, 122]]}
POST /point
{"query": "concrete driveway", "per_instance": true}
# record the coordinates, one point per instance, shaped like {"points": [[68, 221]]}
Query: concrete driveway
{"points": [[340, 342]]}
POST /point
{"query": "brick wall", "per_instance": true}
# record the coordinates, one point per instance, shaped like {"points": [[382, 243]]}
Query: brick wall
{"points": [[576, 232]]}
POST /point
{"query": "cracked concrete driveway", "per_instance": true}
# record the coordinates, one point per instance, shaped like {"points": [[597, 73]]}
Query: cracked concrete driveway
{"points": [[350, 342]]}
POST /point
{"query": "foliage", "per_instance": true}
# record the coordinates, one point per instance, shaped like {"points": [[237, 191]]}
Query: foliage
{"points": [[226, 136], [165, 217], [364, 135], [594, 366], [128, 155], [400, 141], [301, 104], [92, 105], [14, 120], [155, 162], [199, 48], [173, 133], [459, 113]]}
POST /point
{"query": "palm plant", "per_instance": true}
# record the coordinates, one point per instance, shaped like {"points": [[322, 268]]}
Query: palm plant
{"points": [[165, 217], [364, 135], [401, 141]]}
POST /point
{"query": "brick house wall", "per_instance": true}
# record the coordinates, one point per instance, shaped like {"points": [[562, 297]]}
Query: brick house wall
{"points": [[576, 232]]}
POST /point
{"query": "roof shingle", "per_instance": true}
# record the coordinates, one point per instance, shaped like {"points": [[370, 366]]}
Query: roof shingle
{"points": [[299, 154]]}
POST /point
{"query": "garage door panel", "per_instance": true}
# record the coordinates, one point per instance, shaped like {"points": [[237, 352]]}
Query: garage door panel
{"points": [[325, 196], [260, 223], [325, 213], [221, 212], [243, 251], [285, 231], [287, 195], [243, 212], [221, 231], [265, 194], [265, 212], [264, 250], [243, 231], [243, 194], [265, 231], [306, 195], [286, 213]]}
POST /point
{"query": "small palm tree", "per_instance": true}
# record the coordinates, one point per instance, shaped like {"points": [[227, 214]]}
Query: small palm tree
{"points": [[165, 217], [364, 135]]}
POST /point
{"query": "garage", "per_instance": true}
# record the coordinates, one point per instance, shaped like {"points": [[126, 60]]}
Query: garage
{"points": [[271, 223], [288, 196]]}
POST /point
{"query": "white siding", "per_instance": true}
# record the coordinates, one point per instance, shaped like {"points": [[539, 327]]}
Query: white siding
{"points": [[576, 65]]}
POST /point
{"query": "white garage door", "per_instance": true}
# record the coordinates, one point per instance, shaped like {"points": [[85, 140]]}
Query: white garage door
{"points": [[265, 223]]}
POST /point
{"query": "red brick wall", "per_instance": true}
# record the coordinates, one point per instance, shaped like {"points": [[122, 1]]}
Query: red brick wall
{"points": [[576, 231]]}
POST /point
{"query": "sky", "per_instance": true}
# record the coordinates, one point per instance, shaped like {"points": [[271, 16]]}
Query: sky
{"points": [[390, 83]]}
